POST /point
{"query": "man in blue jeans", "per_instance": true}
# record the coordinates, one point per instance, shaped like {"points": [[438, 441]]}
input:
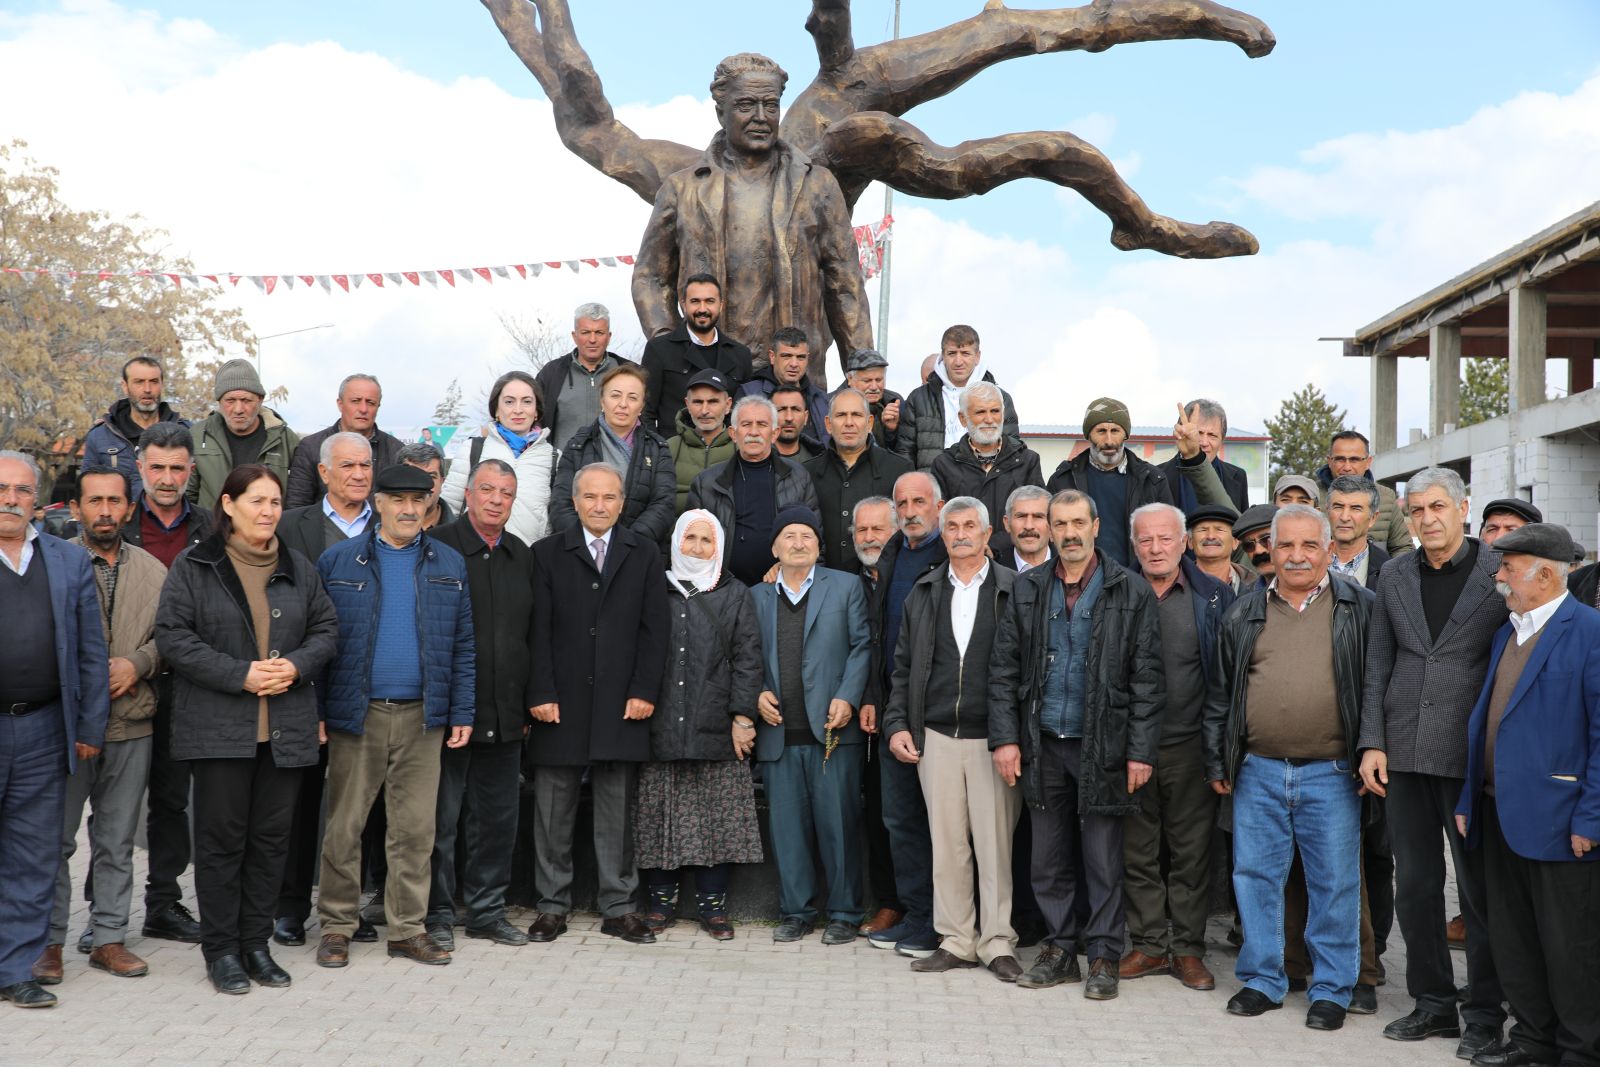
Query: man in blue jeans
{"points": [[1281, 725]]}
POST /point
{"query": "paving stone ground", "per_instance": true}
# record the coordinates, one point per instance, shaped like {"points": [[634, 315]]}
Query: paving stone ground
{"points": [[686, 1000]]}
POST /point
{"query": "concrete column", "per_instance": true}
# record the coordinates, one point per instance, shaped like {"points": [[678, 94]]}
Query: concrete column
{"points": [[1580, 373], [1526, 345], [1444, 378], [1385, 413]]}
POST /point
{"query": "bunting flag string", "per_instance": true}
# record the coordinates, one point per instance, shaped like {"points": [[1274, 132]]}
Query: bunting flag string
{"points": [[871, 240]]}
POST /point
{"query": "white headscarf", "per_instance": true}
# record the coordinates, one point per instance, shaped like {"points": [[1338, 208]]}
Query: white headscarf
{"points": [[700, 574]]}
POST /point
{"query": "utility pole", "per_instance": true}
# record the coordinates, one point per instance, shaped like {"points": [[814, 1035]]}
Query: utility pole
{"points": [[888, 243]]}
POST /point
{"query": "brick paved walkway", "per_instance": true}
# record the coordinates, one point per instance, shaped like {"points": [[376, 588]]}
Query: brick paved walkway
{"points": [[589, 999]]}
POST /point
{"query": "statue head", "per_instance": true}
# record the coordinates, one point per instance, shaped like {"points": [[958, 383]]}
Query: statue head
{"points": [[746, 89]]}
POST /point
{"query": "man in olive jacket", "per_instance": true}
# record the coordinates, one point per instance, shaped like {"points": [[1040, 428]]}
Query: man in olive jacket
{"points": [[242, 430], [1077, 690], [703, 439]]}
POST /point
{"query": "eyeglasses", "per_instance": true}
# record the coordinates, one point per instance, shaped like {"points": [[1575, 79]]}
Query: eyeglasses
{"points": [[20, 490], [1263, 541]]}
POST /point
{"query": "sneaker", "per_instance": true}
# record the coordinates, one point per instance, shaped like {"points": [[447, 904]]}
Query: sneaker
{"points": [[919, 945], [890, 936]]}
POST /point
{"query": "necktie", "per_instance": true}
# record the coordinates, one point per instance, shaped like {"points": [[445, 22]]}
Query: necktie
{"points": [[599, 547]]}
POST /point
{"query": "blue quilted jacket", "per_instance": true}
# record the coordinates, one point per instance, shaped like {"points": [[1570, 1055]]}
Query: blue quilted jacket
{"points": [[444, 618]]}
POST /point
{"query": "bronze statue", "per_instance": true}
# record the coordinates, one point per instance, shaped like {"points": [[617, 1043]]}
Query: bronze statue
{"points": [[847, 121]]}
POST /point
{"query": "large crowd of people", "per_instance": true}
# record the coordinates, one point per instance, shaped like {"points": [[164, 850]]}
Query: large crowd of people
{"points": [[986, 707]]}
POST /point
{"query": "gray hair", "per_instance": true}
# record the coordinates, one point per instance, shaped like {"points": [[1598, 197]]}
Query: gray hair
{"points": [[938, 493], [872, 502], [1026, 492], [594, 468], [1175, 514], [359, 377], [1302, 511], [29, 461], [1075, 496], [833, 402], [1561, 569], [419, 454], [593, 311], [744, 401], [736, 66], [1207, 409], [977, 390], [333, 440], [1347, 484], [1438, 478], [964, 503]]}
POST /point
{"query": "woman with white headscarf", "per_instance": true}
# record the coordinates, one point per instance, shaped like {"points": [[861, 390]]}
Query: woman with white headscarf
{"points": [[695, 803]]}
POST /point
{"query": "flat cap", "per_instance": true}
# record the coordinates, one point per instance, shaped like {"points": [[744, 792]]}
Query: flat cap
{"points": [[1513, 506], [1254, 518], [866, 359], [1298, 481], [1546, 540], [403, 478], [712, 377], [1210, 513]]}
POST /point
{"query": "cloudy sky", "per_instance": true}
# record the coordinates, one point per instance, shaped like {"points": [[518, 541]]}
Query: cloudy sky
{"points": [[1381, 149]]}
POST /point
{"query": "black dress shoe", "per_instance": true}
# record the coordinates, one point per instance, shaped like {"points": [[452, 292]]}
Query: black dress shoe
{"points": [[227, 975], [365, 933], [839, 932], [792, 930], [547, 927], [1324, 1015], [1051, 967], [1251, 1002], [264, 970], [1476, 1038], [28, 994], [630, 927], [443, 936], [1364, 1000], [290, 932], [1102, 981], [1508, 1054], [1422, 1024], [500, 932], [1006, 968], [940, 962], [717, 926], [173, 923]]}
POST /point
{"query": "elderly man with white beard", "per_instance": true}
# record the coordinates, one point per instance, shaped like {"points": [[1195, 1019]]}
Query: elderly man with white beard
{"points": [[987, 463]]}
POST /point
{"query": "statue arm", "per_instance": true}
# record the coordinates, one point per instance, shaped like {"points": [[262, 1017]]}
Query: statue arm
{"points": [[655, 270]]}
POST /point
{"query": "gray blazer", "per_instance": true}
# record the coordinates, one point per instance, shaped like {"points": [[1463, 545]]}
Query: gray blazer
{"points": [[838, 654], [1420, 692]]}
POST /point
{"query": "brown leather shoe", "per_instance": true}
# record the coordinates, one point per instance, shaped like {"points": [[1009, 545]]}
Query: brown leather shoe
{"points": [[881, 919], [116, 959], [1456, 932], [1192, 972], [333, 951], [420, 949], [630, 927], [547, 927], [1137, 964], [47, 969], [940, 962], [1006, 968]]}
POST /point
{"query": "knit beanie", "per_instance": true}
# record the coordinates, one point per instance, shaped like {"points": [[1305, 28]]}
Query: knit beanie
{"points": [[237, 374], [796, 514], [1107, 409]]}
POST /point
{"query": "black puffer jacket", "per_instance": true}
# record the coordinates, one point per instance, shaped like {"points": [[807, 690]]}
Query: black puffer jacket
{"points": [[205, 634], [713, 490], [959, 472], [1125, 685], [650, 493], [920, 436], [714, 672], [1229, 687]]}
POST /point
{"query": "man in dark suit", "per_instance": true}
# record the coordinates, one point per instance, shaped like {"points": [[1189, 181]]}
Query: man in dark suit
{"points": [[359, 398], [1212, 422], [1352, 508], [599, 650], [696, 344], [55, 696], [818, 651], [1427, 652], [1531, 803]]}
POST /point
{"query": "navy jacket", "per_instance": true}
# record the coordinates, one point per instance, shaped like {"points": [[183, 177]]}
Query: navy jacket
{"points": [[81, 654], [108, 444], [444, 622], [1547, 752]]}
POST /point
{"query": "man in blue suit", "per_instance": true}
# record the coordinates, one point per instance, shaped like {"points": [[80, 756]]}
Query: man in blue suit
{"points": [[1532, 802], [817, 645], [55, 694]]}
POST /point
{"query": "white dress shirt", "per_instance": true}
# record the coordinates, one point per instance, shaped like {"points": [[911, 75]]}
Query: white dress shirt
{"points": [[964, 605], [1526, 626], [793, 595], [29, 536]]}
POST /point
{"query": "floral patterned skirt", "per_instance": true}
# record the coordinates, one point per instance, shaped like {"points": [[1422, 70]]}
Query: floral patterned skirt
{"points": [[695, 813]]}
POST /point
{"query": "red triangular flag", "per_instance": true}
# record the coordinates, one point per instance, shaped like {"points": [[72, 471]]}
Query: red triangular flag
{"points": [[376, 279], [212, 278], [449, 277], [592, 262], [309, 279], [271, 282], [234, 278], [483, 272], [411, 276], [342, 282], [553, 264], [625, 259], [522, 270]]}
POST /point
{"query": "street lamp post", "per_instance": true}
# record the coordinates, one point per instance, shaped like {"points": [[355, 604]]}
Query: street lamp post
{"points": [[286, 333]]}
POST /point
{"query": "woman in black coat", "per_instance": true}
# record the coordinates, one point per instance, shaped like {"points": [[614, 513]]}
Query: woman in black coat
{"points": [[696, 805], [618, 437], [245, 625]]}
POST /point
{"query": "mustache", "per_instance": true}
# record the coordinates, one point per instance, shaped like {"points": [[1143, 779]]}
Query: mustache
{"points": [[962, 542], [1072, 542], [1261, 557], [12, 509], [1296, 566], [1503, 588], [1210, 542]]}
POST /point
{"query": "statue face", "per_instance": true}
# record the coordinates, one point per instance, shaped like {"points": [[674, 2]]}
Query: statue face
{"points": [[750, 114]]}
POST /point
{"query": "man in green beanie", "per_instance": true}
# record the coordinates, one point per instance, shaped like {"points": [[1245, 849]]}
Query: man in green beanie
{"points": [[240, 431], [1119, 481]]}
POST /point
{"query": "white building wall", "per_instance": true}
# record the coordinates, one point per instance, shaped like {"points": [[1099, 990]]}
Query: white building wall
{"points": [[1559, 474]]}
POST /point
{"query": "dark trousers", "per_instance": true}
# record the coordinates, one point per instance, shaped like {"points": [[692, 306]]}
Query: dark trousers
{"points": [[243, 811], [1377, 872], [167, 810], [483, 779], [812, 811], [1177, 810], [1420, 808], [1058, 833], [905, 816], [555, 811], [33, 798], [880, 861], [1544, 925]]}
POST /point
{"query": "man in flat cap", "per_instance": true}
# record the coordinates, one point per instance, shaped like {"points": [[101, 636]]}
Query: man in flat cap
{"points": [[818, 652], [1210, 533], [240, 431], [1531, 802], [1118, 481], [1502, 516], [400, 688], [1253, 532]]}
